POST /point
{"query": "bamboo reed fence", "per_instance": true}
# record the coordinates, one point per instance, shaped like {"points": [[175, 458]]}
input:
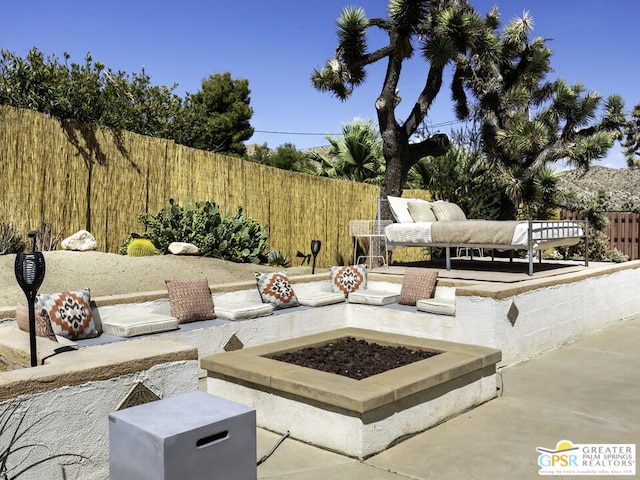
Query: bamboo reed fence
{"points": [[77, 177]]}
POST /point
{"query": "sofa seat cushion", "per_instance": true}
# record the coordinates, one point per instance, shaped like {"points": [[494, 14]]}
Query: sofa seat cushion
{"points": [[318, 298], [242, 311], [374, 297], [437, 305], [131, 325]]}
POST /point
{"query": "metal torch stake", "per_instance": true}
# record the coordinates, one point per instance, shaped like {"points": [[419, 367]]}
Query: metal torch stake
{"points": [[29, 269]]}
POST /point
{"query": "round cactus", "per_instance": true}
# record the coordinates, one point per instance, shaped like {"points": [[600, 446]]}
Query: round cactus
{"points": [[141, 247]]}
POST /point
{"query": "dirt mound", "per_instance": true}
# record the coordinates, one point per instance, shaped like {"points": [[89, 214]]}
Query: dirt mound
{"points": [[111, 274]]}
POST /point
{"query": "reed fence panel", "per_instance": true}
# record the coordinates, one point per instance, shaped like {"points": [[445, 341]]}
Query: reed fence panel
{"points": [[80, 177]]}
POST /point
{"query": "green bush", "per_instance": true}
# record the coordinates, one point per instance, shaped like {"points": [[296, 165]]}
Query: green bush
{"points": [[618, 257], [235, 238], [141, 247]]}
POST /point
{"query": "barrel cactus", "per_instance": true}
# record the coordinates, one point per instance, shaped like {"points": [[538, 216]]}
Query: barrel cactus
{"points": [[141, 247]]}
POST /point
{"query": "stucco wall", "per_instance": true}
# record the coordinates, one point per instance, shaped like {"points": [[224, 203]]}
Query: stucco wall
{"points": [[72, 416]]}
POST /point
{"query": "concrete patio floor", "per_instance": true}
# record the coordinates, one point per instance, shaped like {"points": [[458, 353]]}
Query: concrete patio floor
{"points": [[586, 392]]}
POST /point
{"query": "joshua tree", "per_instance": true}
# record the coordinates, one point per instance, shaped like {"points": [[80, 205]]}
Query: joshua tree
{"points": [[441, 29], [631, 139], [527, 123]]}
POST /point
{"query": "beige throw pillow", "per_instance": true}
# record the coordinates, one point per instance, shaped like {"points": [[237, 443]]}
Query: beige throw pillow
{"points": [[447, 211], [421, 212]]}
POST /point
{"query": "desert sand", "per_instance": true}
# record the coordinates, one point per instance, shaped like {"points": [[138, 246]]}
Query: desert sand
{"points": [[112, 274]]}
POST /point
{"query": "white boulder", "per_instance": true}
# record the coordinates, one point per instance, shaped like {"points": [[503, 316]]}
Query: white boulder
{"points": [[81, 241], [183, 248]]}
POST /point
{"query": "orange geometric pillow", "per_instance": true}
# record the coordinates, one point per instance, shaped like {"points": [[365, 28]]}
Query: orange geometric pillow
{"points": [[69, 313], [417, 284], [348, 279], [275, 289], [43, 324]]}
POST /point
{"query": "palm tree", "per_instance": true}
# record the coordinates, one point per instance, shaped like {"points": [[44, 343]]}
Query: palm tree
{"points": [[356, 155]]}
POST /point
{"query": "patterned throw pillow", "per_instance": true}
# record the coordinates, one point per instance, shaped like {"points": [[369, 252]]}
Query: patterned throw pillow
{"points": [[417, 284], [69, 313], [190, 300], [348, 279], [275, 289], [43, 324]]}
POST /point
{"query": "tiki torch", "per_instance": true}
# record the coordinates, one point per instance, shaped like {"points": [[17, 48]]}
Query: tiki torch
{"points": [[30, 268]]}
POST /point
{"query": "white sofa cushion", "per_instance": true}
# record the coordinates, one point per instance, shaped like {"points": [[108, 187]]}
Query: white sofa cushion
{"points": [[318, 298], [442, 303], [241, 311], [130, 325], [374, 297]]}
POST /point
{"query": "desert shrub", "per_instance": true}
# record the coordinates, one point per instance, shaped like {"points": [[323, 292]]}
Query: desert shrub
{"points": [[229, 237], [18, 434], [618, 257], [276, 258], [591, 209], [10, 240], [141, 247], [48, 239], [599, 250]]}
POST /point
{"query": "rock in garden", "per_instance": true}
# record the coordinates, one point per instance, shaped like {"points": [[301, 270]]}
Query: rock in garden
{"points": [[81, 241], [183, 248]]}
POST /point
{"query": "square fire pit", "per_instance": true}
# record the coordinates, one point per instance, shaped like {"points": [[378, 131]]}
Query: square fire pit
{"points": [[358, 418]]}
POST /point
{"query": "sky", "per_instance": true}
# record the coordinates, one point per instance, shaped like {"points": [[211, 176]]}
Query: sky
{"points": [[276, 44]]}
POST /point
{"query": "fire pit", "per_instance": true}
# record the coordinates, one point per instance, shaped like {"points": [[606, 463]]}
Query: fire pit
{"points": [[359, 417]]}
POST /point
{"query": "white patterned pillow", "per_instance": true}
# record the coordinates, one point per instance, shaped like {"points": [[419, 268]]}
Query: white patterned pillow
{"points": [[69, 313], [275, 289], [348, 279]]}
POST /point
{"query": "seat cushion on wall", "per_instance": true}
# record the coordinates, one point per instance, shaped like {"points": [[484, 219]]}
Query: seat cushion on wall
{"points": [[131, 325], [243, 311], [374, 297]]}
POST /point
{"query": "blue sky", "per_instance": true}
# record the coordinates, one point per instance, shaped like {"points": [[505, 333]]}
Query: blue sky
{"points": [[276, 45]]}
